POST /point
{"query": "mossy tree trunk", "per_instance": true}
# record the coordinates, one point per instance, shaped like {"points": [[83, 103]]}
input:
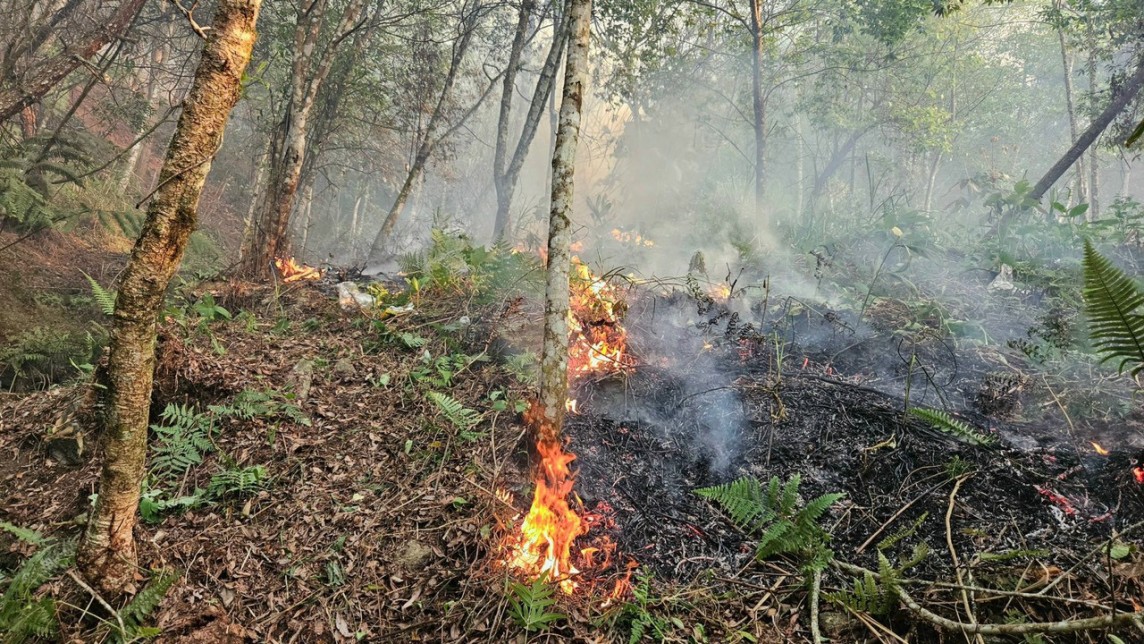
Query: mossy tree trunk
{"points": [[107, 552], [554, 356]]}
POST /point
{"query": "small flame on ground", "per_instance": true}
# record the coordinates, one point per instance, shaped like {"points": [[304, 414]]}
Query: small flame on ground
{"points": [[636, 239], [292, 271], [1138, 474], [545, 543], [570, 406], [1099, 450]]}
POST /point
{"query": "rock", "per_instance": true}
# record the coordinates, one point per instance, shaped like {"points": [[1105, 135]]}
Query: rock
{"points": [[413, 555], [345, 367], [300, 379], [66, 445]]}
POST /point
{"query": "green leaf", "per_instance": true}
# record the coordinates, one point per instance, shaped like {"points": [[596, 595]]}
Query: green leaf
{"points": [[1112, 300]]}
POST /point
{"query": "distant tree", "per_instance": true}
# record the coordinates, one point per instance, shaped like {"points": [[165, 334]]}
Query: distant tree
{"points": [[107, 555], [321, 28], [46, 41]]}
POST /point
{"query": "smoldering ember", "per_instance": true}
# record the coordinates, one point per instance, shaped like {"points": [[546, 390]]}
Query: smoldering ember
{"points": [[466, 321]]}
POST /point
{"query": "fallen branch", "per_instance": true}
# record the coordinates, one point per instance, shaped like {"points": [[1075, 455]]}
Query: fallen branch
{"points": [[1063, 626]]}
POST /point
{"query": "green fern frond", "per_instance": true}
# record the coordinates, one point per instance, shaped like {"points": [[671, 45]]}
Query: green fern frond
{"points": [[140, 608], [775, 518], [1112, 302], [237, 481], [457, 414], [23, 534], [950, 425], [103, 297]]}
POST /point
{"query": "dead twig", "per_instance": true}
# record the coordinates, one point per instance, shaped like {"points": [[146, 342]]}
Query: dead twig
{"points": [[1062, 626], [969, 614], [97, 597]]}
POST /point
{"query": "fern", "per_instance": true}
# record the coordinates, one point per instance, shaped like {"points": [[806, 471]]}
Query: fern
{"points": [[103, 297], [140, 608], [1112, 301], [529, 605], [181, 441], [237, 481], [774, 517], [24, 616], [950, 425], [23, 534], [460, 416]]}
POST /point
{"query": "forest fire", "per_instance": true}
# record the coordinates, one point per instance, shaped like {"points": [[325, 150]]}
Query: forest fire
{"points": [[598, 341], [544, 545], [292, 271], [597, 345]]}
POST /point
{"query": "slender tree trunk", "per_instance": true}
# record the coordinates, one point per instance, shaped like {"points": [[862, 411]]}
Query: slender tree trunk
{"points": [[428, 143], [42, 76], [1093, 212], [151, 89], [270, 233], [1120, 99], [107, 552], [554, 356], [504, 117], [758, 45], [1070, 105]]}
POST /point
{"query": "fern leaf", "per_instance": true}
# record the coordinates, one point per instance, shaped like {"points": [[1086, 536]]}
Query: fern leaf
{"points": [[23, 534], [950, 425], [1112, 300], [457, 414]]}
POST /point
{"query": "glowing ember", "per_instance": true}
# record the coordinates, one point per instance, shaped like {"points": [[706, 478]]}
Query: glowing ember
{"points": [[292, 271], [545, 541], [1138, 473], [719, 292], [1099, 450]]}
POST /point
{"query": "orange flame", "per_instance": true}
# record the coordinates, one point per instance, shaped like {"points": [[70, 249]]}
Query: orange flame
{"points": [[1099, 450], [546, 536], [598, 342], [1138, 473], [292, 271]]}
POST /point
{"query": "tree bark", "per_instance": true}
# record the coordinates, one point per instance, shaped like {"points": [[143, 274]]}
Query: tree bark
{"points": [[1070, 105], [500, 153], [1121, 97], [271, 228], [554, 355], [107, 554], [536, 108], [1093, 212], [41, 76], [759, 103]]}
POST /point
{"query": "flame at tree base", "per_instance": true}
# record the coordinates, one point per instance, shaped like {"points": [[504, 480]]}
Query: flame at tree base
{"points": [[544, 545]]}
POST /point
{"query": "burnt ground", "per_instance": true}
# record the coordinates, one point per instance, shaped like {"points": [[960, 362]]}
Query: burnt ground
{"points": [[383, 522]]}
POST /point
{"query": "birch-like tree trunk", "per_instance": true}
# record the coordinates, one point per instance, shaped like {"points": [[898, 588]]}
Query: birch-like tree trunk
{"points": [[270, 233], [554, 355], [107, 555], [1093, 212], [429, 141]]}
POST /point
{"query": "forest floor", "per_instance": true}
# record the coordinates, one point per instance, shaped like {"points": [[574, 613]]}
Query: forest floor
{"points": [[378, 517]]}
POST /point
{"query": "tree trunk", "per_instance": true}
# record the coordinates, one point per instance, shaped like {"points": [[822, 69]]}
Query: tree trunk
{"points": [[506, 184], [1070, 105], [554, 355], [1093, 212], [428, 142], [39, 78], [107, 552], [1122, 96], [152, 86], [270, 233], [760, 110], [504, 119]]}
